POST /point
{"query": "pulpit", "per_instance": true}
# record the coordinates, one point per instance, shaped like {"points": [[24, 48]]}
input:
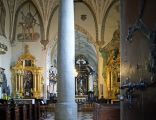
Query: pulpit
{"points": [[27, 77]]}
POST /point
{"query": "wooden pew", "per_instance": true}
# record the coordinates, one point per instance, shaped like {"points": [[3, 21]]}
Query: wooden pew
{"points": [[29, 111], [14, 112], [36, 111], [22, 111], [5, 112]]}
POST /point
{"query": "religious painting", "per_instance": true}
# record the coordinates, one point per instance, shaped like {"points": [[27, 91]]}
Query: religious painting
{"points": [[28, 83], [28, 24], [2, 18], [27, 63]]}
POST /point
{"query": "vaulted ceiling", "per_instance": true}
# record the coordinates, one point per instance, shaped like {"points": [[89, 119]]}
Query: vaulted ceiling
{"points": [[99, 10], [95, 22]]}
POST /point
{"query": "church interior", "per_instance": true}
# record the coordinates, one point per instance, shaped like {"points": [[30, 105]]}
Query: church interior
{"points": [[77, 60]]}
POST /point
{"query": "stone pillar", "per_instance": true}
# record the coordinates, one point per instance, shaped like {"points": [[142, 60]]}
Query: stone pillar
{"points": [[66, 108]]}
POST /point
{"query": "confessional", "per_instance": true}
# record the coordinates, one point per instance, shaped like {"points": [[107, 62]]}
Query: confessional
{"points": [[27, 77]]}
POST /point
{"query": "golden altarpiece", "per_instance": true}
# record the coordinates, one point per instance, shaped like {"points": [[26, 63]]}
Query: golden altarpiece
{"points": [[112, 66], [27, 77]]}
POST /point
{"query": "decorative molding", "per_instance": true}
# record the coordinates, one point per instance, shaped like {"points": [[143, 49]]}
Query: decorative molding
{"points": [[83, 17], [44, 43]]}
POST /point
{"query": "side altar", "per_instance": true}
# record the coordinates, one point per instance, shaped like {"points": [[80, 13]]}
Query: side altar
{"points": [[27, 77]]}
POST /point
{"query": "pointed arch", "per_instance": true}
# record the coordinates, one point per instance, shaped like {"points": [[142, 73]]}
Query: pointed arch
{"points": [[49, 22], [105, 18], [16, 19]]}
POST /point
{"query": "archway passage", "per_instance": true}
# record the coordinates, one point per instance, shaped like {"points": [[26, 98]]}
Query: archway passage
{"points": [[85, 51]]}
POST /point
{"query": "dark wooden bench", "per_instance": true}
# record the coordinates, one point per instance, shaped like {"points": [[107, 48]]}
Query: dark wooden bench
{"points": [[14, 109], [36, 111], [22, 111], [29, 111], [5, 112]]}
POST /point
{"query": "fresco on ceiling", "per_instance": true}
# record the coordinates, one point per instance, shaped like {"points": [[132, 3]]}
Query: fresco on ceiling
{"points": [[2, 18], [28, 25]]}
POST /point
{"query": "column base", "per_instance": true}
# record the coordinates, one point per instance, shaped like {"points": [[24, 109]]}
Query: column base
{"points": [[66, 111]]}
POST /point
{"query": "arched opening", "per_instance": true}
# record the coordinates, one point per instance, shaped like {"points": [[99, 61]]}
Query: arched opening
{"points": [[87, 72]]}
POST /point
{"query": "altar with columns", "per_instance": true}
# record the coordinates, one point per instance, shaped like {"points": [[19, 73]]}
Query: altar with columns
{"points": [[27, 77]]}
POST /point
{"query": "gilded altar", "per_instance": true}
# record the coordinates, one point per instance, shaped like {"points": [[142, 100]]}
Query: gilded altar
{"points": [[27, 77], [111, 73]]}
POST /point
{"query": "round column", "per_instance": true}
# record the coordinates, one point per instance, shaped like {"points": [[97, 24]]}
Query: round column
{"points": [[66, 108]]}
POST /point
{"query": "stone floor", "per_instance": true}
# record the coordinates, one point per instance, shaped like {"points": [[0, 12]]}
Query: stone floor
{"points": [[81, 116]]}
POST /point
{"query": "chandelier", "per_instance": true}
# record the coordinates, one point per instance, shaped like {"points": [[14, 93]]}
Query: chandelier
{"points": [[3, 48]]}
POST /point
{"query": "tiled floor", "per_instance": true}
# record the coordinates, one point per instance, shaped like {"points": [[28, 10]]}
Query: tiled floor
{"points": [[81, 116]]}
